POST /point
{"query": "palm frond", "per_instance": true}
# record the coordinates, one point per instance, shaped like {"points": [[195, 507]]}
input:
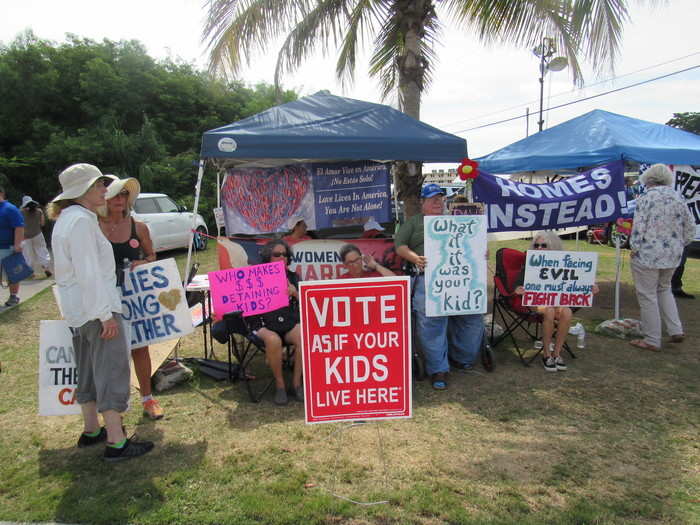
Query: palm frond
{"points": [[236, 29], [363, 20]]}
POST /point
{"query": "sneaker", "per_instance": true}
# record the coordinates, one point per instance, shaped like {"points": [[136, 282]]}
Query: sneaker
{"points": [[560, 364], [298, 393], [681, 294], [87, 441], [131, 449], [13, 300], [549, 364], [152, 409], [281, 397]]}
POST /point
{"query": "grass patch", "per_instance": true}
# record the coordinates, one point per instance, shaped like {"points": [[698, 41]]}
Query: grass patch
{"points": [[611, 441]]}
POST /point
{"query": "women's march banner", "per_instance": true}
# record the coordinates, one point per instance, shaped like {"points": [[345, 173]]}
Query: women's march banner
{"points": [[325, 195], [356, 345], [687, 184], [559, 278], [594, 196], [251, 289], [455, 276], [154, 305], [58, 372]]}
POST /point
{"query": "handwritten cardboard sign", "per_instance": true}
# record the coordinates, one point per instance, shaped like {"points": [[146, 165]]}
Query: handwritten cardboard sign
{"points": [[356, 346], [559, 278], [251, 289], [455, 276], [58, 372], [154, 305]]}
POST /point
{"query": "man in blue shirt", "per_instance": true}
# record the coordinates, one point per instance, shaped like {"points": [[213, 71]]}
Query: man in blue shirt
{"points": [[11, 237]]}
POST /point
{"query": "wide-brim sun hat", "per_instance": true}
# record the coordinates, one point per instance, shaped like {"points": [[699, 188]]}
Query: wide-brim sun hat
{"points": [[26, 200], [76, 180], [129, 184]]}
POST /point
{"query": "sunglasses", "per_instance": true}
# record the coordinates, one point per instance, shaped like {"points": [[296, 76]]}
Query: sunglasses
{"points": [[123, 193], [537, 245], [104, 181], [279, 254]]}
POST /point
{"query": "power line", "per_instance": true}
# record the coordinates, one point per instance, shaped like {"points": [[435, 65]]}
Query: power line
{"points": [[587, 86], [583, 99]]}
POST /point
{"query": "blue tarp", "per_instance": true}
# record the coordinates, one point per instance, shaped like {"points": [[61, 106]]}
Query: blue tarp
{"points": [[324, 126], [592, 139]]}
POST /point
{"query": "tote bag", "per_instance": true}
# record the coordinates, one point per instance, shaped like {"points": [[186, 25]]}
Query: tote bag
{"points": [[14, 269]]}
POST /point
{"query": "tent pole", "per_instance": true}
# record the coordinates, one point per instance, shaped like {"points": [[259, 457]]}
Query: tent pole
{"points": [[197, 189], [618, 257], [218, 199]]}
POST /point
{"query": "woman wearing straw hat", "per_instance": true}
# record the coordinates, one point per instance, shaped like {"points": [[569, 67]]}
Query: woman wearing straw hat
{"points": [[91, 304], [34, 245], [130, 242]]}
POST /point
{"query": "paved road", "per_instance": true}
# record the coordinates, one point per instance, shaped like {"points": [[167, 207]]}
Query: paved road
{"points": [[26, 290]]}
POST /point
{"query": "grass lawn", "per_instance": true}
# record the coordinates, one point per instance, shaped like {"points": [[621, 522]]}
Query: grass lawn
{"points": [[613, 440]]}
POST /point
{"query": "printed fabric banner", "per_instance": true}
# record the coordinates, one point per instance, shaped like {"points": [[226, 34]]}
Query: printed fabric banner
{"points": [[154, 304], [455, 276], [58, 375], [356, 346], [559, 278], [594, 196], [251, 289], [324, 195], [351, 193], [687, 183]]}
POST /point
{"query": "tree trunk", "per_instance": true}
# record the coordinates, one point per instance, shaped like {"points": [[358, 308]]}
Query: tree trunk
{"points": [[408, 176]]}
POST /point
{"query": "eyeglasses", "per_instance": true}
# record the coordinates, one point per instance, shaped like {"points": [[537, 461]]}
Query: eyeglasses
{"points": [[354, 261], [279, 254], [537, 245]]}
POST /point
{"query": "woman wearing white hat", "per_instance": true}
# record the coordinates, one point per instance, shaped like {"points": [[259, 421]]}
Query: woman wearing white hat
{"points": [[34, 245], [91, 304], [131, 241]]}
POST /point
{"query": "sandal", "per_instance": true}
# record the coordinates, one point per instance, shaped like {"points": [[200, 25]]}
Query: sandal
{"points": [[641, 343], [439, 382], [678, 338]]}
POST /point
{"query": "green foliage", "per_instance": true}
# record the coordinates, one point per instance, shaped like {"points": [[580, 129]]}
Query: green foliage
{"points": [[110, 104], [687, 121]]}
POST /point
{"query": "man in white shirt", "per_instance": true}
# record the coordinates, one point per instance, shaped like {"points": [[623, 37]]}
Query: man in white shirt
{"points": [[91, 304]]}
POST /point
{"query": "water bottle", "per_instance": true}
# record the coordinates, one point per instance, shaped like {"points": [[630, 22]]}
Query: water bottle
{"points": [[581, 337]]}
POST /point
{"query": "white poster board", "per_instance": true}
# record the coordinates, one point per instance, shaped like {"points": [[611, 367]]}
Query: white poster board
{"points": [[455, 276], [58, 375], [687, 184], [154, 304], [559, 278]]}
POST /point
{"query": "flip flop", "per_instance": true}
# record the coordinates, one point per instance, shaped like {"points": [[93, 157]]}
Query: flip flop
{"points": [[641, 343]]}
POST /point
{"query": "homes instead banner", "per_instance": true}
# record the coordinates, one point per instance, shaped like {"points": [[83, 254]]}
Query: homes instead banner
{"points": [[594, 196]]}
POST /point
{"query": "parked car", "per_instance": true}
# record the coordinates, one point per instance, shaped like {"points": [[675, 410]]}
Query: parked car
{"points": [[169, 224]]}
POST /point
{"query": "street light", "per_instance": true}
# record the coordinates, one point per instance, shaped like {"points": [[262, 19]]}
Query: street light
{"points": [[545, 51]]}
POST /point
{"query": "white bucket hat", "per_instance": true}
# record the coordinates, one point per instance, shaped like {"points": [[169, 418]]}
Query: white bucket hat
{"points": [[76, 180], [26, 200], [371, 224]]}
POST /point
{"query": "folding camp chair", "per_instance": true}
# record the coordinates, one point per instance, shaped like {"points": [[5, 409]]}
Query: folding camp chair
{"points": [[248, 350], [508, 305]]}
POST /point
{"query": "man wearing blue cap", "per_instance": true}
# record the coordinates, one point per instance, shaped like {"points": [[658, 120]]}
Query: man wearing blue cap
{"points": [[456, 337]]}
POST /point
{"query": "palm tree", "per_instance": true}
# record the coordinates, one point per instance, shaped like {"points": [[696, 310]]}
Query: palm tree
{"points": [[403, 34]]}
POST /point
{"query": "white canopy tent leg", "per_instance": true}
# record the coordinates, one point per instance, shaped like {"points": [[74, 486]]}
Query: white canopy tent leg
{"points": [[618, 264], [218, 200], [197, 189]]}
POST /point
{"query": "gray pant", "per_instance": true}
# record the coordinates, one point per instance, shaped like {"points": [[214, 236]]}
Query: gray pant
{"points": [[656, 302], [103, 367]]}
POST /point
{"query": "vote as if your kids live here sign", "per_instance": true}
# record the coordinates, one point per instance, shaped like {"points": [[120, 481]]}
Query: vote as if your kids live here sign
{"points": [[559, 278], [356, 344]]}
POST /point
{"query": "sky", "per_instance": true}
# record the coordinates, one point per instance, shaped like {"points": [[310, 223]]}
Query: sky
{"points": [[473, 84]]}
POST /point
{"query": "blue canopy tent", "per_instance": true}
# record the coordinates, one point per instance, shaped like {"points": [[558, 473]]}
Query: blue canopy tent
{"points": [[324, 127], [592, 139]]}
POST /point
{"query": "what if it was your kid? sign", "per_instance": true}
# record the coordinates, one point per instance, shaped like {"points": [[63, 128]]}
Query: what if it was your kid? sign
{"points": [[455, 275], [559, 278], [154, 304]]}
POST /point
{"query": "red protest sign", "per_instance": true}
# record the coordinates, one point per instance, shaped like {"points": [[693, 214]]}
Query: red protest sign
{"points": [[356, 347]]}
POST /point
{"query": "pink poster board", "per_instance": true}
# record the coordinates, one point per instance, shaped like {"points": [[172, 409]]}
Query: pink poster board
{"points": [[252, 289]]}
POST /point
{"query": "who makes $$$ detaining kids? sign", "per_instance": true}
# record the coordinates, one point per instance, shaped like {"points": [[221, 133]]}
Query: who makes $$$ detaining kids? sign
{"points": [[356, 345]]}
